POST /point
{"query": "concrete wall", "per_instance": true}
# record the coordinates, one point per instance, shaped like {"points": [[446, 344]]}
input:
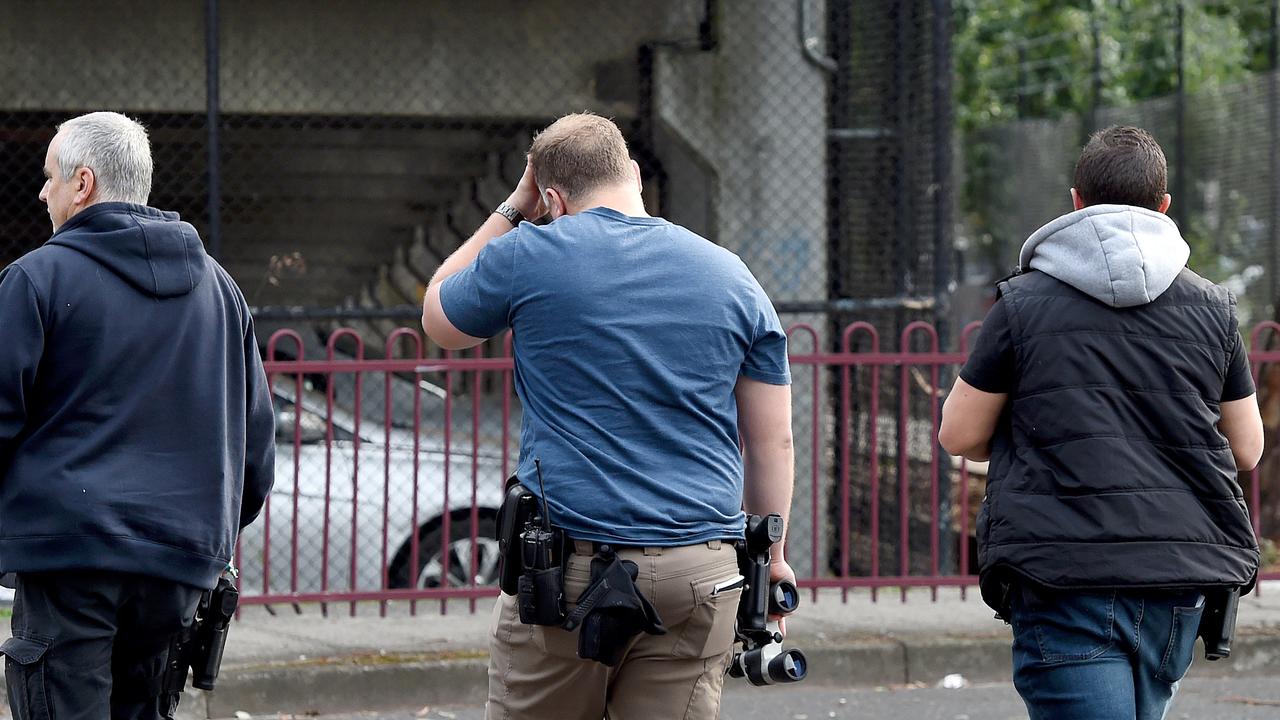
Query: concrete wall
{"points": [[756, 113], [490, 58], [753, 113]]}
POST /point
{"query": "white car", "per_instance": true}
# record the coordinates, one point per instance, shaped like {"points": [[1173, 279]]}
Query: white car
{"points": [[369, 543]]}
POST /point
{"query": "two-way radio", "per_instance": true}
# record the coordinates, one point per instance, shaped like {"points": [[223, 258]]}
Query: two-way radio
{"points": [[540, 594]]}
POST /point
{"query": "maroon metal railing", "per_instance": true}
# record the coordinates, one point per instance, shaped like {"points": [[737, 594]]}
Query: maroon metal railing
{"points": [[405, 507]]}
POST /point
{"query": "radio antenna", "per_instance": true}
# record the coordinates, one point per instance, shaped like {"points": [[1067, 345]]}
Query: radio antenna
{"points": [[542, 489]]}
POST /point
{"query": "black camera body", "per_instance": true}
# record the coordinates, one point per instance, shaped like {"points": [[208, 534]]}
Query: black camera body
{"points": [[762, 660]]}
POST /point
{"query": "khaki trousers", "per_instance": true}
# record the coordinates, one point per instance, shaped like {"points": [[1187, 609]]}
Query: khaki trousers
{"points": [[535, 672]]}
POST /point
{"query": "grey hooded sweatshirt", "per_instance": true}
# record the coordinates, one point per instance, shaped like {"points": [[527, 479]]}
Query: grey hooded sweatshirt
{"points": [[1119, 254]]}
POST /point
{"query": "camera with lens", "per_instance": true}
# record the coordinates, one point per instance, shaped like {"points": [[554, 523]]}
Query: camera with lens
{"points": [[763, 660]]}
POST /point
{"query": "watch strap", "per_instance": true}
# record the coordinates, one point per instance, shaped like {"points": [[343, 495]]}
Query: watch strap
{"points": [[509, 211]]}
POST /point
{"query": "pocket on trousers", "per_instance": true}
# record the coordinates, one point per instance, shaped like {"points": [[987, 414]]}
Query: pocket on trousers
{"points": [[24, 672], [1070, 626], [1182, 643], [709, 630]]}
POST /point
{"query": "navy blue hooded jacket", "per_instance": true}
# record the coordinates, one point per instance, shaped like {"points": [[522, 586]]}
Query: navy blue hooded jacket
{"points": [[136, 426]]}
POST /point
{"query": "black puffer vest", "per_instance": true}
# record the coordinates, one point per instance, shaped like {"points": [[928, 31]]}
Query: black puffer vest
{"points": [[1107, 467]]}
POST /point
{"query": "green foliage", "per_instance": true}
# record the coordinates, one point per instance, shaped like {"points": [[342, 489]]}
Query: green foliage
{"points": [[1059, 61], [1042, 58], [1270, 554]]}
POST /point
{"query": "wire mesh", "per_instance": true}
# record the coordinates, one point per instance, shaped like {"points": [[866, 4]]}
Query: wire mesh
{"points": [[333, 154]]}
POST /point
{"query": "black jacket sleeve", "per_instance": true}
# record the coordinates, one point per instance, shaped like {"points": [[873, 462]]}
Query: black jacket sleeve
{"points": [[23, 328], [259, 435]]}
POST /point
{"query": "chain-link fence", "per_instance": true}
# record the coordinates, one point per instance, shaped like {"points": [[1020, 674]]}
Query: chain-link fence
{"points": [[333, 154]]}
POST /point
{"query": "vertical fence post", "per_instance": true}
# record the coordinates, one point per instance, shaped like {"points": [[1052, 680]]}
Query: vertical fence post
{"points": [[212, 101]]}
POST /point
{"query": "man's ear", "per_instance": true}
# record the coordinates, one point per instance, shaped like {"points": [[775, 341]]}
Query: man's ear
{"points": [[556, 205], [1165, 203], [87, 184], [635, 170], [1076, 202]]}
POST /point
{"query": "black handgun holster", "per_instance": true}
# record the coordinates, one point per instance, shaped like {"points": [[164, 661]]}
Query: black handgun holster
{"points": [[611, 610]]}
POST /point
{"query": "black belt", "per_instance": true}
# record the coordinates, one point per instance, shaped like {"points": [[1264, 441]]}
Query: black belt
{"points": [[591, 547]]}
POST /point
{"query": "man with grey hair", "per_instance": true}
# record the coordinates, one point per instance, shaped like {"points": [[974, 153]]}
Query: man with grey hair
{"points": [[136, 433]]}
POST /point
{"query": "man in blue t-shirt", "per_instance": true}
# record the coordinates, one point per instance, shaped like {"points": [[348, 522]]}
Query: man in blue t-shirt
{"points": [[643, 353]]}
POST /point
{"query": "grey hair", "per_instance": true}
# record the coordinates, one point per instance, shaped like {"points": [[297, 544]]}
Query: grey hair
{"points": [[115, 148]]}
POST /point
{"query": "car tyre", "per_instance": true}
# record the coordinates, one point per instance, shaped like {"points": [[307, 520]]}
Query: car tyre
{"points": [[430, 557]]}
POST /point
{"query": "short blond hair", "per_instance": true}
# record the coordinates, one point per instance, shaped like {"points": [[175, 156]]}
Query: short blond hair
{"points": [[580, 153]]}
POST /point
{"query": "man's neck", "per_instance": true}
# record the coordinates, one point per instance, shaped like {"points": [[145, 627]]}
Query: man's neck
{"points": [[625, 200], [94, 200]]}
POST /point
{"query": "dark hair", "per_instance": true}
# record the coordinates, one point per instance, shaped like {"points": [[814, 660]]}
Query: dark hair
{"points": [[1122, 166]]}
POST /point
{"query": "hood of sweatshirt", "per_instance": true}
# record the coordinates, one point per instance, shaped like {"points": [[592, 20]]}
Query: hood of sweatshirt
{"points": [[152, 250], [1121, 255]]}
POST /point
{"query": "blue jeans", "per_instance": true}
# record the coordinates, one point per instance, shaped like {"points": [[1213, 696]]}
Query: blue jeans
{"points": [[1112, 655]]}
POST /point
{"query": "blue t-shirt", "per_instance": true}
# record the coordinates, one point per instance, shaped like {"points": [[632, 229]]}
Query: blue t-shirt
{"points": [[630, 334]]}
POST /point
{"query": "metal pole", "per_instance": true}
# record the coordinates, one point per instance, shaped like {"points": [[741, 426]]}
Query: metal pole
{"points": [[1020, 80], [1180, 171], [1273, 113], [904, 239], [943, 248], [211, 32], [1095, 97]]}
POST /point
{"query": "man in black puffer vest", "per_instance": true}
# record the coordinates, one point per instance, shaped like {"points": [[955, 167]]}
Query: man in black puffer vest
{"points": [[1110, 389]]}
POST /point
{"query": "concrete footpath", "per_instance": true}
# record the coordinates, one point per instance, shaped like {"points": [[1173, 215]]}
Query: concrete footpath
{"points": [[302, 661]]}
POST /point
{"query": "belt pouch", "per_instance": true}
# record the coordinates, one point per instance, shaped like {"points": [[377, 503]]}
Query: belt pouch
{"points": [[541, 597]]}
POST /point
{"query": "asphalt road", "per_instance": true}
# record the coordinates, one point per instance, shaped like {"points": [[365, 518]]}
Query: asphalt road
{"points": [[1199, 699]]}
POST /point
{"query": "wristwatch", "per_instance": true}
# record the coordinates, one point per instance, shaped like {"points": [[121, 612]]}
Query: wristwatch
{"points": [[509, 211]]}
